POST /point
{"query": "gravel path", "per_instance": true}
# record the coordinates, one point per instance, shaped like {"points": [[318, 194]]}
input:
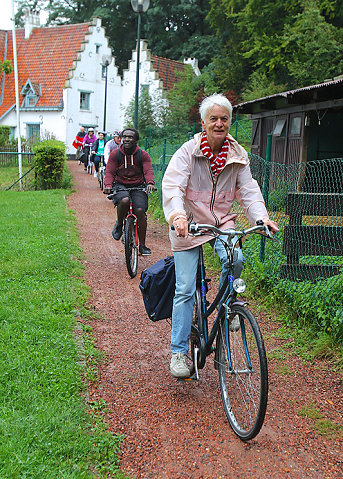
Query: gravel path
{"points": [[179, 430]]}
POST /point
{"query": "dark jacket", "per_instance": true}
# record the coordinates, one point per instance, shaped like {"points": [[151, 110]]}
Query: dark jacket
{"points": [[96, 145]]}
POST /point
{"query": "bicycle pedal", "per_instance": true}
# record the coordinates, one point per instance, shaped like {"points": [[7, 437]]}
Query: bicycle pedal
{"points": [[187, 380]]}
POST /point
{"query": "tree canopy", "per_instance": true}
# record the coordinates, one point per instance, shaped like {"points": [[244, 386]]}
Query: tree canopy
{"points": [[251, 48]]}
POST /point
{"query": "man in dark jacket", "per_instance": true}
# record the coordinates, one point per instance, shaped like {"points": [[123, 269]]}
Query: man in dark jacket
{"points": [[129, 166]]}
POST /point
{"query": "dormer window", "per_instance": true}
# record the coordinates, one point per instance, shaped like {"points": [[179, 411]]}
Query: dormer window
{"points": [[31, 93]]}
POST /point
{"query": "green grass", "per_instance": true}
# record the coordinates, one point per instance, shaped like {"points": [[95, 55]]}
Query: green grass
{"points": [[324, 427], [45, 428]]}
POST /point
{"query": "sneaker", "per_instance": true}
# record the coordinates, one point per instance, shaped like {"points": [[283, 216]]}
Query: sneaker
{"points": [[117, 231], [95, 174], [235, 324], [144, 250], [178, 366]]}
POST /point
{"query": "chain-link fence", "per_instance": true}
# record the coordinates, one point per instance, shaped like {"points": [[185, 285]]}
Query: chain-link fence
{"points": [[9, 168]]}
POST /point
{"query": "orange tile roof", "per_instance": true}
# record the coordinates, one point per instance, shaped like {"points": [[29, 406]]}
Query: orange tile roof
{"points": [[167, 70], [45, 58]]}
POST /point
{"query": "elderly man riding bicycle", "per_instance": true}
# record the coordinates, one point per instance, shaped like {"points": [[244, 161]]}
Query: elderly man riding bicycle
{"points": [[202, 179], [130, 166]]}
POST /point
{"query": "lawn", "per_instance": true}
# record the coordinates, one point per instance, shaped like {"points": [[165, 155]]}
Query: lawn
{"points": [[45, 428]]}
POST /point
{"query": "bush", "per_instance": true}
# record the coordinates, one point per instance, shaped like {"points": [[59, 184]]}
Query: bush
{"points": [[4, 135], [50, 160]]}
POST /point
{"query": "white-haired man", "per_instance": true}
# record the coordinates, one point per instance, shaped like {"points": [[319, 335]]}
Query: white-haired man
{"points": [[203, 178]]}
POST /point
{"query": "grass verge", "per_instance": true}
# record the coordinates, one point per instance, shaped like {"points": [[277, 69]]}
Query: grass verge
{"points": [[45, 428]]}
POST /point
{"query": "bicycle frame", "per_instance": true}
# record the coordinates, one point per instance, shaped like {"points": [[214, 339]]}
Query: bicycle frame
{"points": [[226, 297]]}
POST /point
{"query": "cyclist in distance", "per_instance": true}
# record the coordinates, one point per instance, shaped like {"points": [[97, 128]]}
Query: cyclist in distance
{"points": [[129, 166], [88, 140], [77, 143], [201, 181], [98, 148], [112, 145]]}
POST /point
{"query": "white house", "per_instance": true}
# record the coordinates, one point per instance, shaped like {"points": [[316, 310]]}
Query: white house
{"points": [[62, 78]]}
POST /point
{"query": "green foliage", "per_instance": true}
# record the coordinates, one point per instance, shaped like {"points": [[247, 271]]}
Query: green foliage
{"points": [[260, 85], [269, 46], [6, 67], [50, 159], [147, 111], [313, 48], [4, 135]]}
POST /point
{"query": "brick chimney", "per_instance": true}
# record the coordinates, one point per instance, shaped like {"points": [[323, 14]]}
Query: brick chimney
{"points": [[31, 20]]}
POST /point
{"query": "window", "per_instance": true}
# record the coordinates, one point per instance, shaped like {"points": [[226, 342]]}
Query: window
{"points": [[103, 71], [279, 129], [12, 132], [33, 130], [295, 126], [84, 100], [145, 88], [97, 48], [31, 100]]}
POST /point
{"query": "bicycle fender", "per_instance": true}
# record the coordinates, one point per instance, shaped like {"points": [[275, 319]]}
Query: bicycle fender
{"points": [[239, 302]]}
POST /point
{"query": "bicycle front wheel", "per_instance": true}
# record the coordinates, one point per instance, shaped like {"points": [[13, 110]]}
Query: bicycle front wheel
{"points": [[131, 247], [243, 372]]}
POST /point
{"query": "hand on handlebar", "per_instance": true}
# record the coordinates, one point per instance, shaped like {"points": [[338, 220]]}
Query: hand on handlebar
{"points": [[150, 188], [272, 226], [181, 227], [107, 191]]}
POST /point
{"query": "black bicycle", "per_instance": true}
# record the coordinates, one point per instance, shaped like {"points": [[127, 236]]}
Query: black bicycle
{"points": [[130, 234], [239, 353], [101, 172]]}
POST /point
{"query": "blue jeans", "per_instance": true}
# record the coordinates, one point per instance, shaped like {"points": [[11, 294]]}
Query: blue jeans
{"points": [[186, 263]]}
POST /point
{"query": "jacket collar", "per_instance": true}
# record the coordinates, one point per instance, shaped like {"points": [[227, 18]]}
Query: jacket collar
{"points": [[236, 153]]}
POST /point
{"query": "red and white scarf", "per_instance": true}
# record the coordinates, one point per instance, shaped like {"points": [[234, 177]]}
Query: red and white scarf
{"points": [[217, 162]]}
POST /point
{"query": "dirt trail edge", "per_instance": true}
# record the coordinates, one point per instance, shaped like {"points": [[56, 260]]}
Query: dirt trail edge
{"points": [[176, 430]]}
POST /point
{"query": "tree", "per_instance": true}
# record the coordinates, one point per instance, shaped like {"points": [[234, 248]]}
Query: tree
{"points": [[173, 28], [313, 47], [147, 116], [6, 67]]}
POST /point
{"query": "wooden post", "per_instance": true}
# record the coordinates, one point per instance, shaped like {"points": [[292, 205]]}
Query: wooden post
{"points": [[266, 188]]}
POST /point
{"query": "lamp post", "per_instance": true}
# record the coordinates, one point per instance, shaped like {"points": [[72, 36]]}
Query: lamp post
{"points": [[106, 60], [138, 6]]}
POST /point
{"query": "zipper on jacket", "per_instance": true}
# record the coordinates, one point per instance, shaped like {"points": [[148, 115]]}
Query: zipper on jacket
{"points": [[214, 182]]}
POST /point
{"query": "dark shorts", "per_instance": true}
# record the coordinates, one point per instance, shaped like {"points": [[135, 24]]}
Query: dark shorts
{"points": [[139, 198]]}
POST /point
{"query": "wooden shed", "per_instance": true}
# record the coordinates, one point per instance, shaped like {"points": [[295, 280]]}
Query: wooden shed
{"points": [[306, 125]]}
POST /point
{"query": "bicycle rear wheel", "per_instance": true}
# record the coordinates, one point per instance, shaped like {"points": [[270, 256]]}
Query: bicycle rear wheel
{"points": [[131, 247], [243, 373]]}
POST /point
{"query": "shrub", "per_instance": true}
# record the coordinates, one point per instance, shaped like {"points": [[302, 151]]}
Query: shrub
{"points": [[50, 160], [4, 135]]}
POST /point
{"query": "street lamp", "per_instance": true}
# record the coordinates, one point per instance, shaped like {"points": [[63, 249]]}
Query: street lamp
{"points": [[138, 6], [106, 60]]}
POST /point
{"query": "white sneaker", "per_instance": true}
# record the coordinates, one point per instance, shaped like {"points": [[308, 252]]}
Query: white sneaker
{"points": [[95, 174], [235, 323], [178, 366]]}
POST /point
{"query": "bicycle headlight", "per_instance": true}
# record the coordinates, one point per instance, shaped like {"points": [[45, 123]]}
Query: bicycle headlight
{"points": [[239, 285]]}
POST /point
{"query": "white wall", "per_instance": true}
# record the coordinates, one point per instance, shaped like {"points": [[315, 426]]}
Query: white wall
{"points": [[147, 76], [87, 76]]}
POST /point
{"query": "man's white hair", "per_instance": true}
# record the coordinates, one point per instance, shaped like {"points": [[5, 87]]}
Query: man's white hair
{"points": [[210, 101]]}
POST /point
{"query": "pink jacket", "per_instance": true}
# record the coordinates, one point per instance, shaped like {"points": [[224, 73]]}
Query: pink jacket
{"points": [[188, 187]]}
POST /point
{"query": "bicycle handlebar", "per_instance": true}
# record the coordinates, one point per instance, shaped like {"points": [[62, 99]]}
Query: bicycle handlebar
{"points": [[128, 188], [198, 229]]}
